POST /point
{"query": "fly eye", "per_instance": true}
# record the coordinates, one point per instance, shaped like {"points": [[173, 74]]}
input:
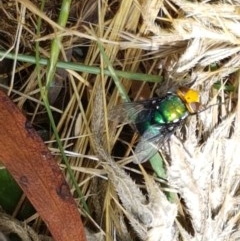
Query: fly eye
{"points": [[188, 95], [193, 107], [191, 96]]}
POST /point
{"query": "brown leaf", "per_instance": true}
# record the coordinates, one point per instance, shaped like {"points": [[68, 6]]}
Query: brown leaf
{"points": [[24, 154]]}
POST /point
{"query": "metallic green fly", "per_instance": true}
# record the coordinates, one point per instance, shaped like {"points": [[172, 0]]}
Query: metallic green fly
{"points": [[157, 119]]}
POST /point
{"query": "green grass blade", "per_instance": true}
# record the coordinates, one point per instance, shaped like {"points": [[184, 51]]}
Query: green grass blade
{"points": [[44, 90], [84, 68]]}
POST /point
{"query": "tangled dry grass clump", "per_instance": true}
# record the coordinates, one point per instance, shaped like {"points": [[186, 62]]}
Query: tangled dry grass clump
{"points": [[194, 44]]}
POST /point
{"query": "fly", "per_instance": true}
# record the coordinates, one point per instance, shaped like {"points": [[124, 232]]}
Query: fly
{"points": [[157, 119]]}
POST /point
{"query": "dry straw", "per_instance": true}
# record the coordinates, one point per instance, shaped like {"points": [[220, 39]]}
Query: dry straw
{"points": [[187, 43]]}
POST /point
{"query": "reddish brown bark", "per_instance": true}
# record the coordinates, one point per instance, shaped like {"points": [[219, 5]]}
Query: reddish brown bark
{"points": [[26, 157]]}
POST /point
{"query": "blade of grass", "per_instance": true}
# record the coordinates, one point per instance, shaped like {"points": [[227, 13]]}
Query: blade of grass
{"points": [[157, 165], [44, 90], [56, 43], [156, 161], [83, 68], [113, 74]]}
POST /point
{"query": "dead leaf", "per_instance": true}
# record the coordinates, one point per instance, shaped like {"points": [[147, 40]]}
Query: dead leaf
{"points": [[26, 157]]}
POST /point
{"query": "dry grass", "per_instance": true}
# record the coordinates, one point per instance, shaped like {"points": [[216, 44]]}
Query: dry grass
{"points": [[194, 44]]}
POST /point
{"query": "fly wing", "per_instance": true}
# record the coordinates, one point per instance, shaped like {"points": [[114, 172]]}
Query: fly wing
{"points": [[132, 112], [126, 112], [152, 140]]}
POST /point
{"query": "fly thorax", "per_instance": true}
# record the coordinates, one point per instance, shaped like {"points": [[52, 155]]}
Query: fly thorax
{"points": [[172, 109]]}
